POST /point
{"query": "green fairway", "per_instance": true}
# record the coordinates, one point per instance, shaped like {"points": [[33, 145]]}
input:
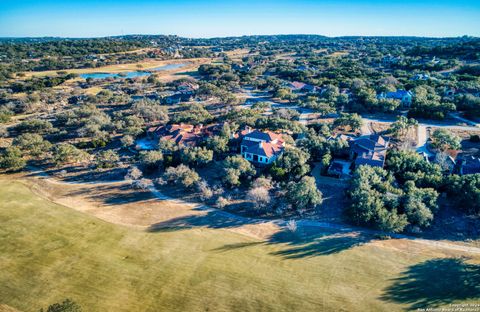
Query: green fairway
{"points": [[49, 252]]}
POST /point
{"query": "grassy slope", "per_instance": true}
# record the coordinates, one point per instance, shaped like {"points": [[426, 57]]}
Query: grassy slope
{"points": [[49, 252]]}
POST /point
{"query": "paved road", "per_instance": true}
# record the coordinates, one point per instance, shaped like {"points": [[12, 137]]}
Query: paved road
{"points": [[253, 97], [366, 129], [435, 124], [467, 121], [422, 135]]}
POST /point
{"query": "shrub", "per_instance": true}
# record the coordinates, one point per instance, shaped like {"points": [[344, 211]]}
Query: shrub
{"points": [[66, 153], [292, 164], [32, 143], [259, 196], [304, 194], [107, 159], [65, 306], [35, 126], [12, 159], [205, 191], [151, 159], [444, 140], [127, 140], [182, 175], [222, 202], [236, 169], [133, 174], [475, 138], [198, 156]]}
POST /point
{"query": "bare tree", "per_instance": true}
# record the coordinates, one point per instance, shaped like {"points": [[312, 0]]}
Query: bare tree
{"points": [[259, 196]]}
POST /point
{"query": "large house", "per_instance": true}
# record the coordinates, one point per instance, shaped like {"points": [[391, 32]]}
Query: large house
{"points": [[184, 134], [261, 147], [370, 150], [470, 165], [405, 97]]}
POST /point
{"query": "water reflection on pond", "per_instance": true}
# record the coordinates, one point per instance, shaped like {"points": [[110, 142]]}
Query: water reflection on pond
{"points": [[132, 74]]}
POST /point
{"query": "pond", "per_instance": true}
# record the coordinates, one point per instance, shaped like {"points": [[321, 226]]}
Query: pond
{"points": [[132, 74]]}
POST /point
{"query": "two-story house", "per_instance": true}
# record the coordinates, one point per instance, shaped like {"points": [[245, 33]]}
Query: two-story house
{"points": [[261, 147]]}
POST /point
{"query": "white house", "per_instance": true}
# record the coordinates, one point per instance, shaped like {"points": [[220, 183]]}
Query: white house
{"points": [[261, 147]]}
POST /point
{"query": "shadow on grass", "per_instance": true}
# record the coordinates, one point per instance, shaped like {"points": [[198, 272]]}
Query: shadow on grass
{"points": [[114, 194], [212, 219], [302, 244], [434, 283], [306, 242]]}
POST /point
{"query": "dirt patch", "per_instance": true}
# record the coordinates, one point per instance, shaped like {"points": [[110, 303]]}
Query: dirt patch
{"points": [[120, 204], [379, 127], [6, 308], [406, 245], [464, 134]]}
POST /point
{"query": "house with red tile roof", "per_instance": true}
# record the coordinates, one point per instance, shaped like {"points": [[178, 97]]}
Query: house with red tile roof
{"points": [[261, 147], [187, 87], [184, 134]]}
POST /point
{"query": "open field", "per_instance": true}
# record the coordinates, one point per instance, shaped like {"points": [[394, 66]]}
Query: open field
{"points": [[238, 54], [49, 252], [119, 68]]}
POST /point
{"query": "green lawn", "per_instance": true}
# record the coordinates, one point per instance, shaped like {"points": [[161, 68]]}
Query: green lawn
{"points": [[49, 252]]}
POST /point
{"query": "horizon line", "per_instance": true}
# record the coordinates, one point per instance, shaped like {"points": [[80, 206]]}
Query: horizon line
{"points": [[237, 36]]}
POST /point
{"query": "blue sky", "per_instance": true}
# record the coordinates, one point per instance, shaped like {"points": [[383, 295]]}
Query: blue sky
{"points": [[211, 18]]}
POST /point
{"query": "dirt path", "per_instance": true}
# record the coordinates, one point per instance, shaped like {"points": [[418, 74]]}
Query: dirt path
{"points": [[365, 129], [164, 209]]}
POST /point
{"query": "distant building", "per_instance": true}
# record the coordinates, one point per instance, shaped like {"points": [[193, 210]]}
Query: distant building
{"points": [[177, 98], [434, 60], [261, 147], [405, 97], [389, 60], [306, 68], [370, 151], [242, 68], [187, 87], [151, 96], [420, 77], [217, 49], [297, 86]]}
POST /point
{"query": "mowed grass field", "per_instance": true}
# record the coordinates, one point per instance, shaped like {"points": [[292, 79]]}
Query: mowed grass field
{"points": [[50, 252]]}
